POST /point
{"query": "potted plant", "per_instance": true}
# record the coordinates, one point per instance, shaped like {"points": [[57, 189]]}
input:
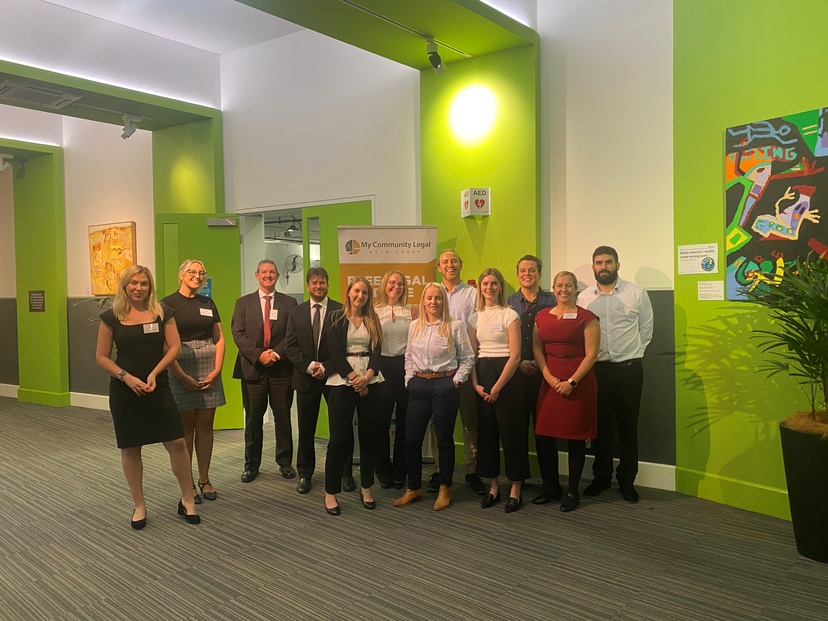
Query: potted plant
{"points": [[796, 297]]}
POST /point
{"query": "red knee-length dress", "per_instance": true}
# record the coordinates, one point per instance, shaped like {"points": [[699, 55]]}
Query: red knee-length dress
{"points": [[574, 417]]}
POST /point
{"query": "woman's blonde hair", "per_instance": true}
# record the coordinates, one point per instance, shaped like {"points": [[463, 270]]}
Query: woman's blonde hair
{"points": [[418, 326], [382, 298], [367, 312], [568, 275], [121, 306], [501, 294], [185, 266]]}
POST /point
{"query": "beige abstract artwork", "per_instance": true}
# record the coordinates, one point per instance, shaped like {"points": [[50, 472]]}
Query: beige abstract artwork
{"points": [[111, 251]]}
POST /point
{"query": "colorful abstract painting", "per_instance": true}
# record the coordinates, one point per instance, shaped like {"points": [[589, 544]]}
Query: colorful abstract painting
{"points": [[776, 192], [111, 251]]}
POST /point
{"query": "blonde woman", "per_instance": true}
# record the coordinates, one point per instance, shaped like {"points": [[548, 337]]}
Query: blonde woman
{"points": [[395, 315], [355, 345], [494, 332], [196, 375], [142, 406], [438, 359]]}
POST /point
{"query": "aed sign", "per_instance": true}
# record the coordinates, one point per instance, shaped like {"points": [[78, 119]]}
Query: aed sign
{"points": [[476, 202]]}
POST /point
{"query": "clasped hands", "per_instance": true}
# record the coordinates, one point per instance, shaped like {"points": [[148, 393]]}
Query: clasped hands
{"points": [[488, 397], [562, 387], [360, 384], [189, 383], [268, 358], [138, 387]]}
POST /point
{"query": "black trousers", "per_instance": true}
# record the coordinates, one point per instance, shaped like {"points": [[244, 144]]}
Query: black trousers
{"points": [[619, 402], [546, 448], [277, 390], [506, 420], [393, 402], [426, 398], [307, 405], [341, 403]]}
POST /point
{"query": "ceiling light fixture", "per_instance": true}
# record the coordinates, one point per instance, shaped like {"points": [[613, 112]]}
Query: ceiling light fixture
{"points": [[434, 58], [130, 121]]}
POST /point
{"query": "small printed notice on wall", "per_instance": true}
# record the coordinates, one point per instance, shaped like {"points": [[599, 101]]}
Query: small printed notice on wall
{"points": [[698, 259], [37, 301], [711, 290]]}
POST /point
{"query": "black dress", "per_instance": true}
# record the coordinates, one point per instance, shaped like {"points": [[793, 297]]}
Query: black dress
{"points": [[153, 417]]}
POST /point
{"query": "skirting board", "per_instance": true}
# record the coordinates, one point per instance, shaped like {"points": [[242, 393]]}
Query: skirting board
{"points": [[93, 402], [8, 390]]}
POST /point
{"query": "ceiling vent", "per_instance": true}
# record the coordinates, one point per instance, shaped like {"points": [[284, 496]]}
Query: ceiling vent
{"points": [[28, 95]]}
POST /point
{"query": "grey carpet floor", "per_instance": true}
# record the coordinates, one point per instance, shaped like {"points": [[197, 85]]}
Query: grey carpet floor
{"points": [[264, 552]]}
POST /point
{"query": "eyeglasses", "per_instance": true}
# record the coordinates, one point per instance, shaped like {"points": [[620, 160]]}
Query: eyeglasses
{"points": [[395, 285], [200, 274]]}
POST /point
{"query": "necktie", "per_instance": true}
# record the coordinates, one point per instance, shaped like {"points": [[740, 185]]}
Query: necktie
{"points": [[316, 326], [266, 342]]}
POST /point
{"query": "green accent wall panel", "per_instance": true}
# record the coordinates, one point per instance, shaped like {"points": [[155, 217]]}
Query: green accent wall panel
{"points": [[40, 256], [731, 67]]}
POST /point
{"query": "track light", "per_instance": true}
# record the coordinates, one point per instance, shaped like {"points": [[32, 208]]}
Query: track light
{"points": [[434, 57], [130, 121]]}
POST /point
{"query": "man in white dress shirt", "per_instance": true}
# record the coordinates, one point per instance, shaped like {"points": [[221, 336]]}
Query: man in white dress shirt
{"points": [[625, 317]]}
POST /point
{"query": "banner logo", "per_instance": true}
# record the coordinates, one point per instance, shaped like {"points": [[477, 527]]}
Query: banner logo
{"points": [[352, 246]]}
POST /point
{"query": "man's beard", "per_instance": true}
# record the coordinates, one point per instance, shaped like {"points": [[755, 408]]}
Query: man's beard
{"points": [[606, 277]]}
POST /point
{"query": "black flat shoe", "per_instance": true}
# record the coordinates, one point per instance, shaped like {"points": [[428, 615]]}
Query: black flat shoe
{"points": [[196, 497], [399, 484], [348, 484], [287, 472], [304, 485], [489, 500], [207, 495], [191, 519], [547, 495], [333, 511], [570, 502], [249, 475], [138, 524], [513, 504], [368, 504]]}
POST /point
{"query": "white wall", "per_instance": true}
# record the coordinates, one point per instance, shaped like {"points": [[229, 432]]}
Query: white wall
{"points": [[107, 179], [607, 135], [7, 263], [51, 37], [309, 119]]}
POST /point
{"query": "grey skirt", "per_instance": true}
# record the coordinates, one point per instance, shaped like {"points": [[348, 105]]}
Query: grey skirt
{"points": [[198, 359]]}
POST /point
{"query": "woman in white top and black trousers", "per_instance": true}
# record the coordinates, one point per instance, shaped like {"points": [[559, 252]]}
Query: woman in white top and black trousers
{"points": [[438, 359], [395, 315], [355, 345], [494, 332]]}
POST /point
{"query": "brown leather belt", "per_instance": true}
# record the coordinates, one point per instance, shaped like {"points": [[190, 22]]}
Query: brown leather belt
{"points": [[434, 375]]}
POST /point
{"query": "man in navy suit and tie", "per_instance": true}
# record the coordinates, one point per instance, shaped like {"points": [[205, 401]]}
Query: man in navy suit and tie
{"points": [[307, 347], [259, 325]]}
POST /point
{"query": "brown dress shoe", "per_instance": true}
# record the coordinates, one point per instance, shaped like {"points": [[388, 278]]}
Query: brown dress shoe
{"points": [[410, 496], [443, 498]]}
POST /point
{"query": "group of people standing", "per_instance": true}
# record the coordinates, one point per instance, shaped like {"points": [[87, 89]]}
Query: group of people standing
{"points": [[569, 363]]}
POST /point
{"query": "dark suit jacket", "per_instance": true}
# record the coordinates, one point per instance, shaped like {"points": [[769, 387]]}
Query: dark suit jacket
{"points": [[338, 344], [299, 342], [248, 334]]}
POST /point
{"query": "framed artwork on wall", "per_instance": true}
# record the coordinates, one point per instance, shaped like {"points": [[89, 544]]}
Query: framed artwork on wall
{"points": [[111, 251]]}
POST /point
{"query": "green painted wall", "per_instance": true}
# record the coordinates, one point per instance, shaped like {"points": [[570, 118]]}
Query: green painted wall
{"points": [[39, 214], [188, 169], [734, 62], [506, 160]]}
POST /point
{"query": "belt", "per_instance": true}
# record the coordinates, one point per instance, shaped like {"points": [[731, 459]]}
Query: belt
{"points": [[434, 374], [357, 354], [625, 363]]}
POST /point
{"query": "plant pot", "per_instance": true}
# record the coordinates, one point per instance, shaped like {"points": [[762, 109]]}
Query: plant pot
{"points": [[806, 469]]}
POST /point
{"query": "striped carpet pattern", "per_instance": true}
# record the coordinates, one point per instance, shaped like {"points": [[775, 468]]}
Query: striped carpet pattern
{"points": [[263, 552]]}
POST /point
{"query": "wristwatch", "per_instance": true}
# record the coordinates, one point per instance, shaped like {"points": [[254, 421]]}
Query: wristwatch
{"points": [[573, 382], [121, 375]]}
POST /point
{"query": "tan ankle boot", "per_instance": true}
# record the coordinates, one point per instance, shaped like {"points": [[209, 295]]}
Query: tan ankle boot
{"points": [[443, 498], [410, 496]]}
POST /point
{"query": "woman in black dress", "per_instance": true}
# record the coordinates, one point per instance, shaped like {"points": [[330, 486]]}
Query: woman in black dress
{"points": [[142, 406], [196, 375]]}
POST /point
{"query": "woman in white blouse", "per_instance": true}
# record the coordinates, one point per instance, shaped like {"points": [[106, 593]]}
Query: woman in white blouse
{"points": [[438, 358], [355, 344], [494, 331], [395, 315]]}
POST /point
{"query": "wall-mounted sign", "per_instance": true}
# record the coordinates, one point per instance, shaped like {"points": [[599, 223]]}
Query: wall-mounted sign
{"points": [[207, 288], [37, 301], [476, 202]]}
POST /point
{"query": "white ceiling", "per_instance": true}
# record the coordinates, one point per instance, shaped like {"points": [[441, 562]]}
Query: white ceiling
{"points": [[218, 26]]}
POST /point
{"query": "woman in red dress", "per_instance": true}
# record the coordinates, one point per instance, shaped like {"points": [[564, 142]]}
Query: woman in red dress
{"points": [[566, 346]]}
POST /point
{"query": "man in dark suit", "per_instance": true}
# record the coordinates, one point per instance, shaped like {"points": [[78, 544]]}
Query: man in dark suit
{"points": [[259, 324], [307, 347]]}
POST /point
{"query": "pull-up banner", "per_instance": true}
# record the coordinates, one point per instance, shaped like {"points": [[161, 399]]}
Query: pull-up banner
{"points": [[370, 251]]}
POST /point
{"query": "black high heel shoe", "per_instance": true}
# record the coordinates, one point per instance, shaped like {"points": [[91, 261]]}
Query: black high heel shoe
{"points": [[368, 504], [191, 519], [207, 495], [138, 524]]}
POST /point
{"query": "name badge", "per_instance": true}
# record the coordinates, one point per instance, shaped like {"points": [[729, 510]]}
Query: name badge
{"points": [[150, 328], [496, 327], [570, 315], [441, 341], [205, 312], [274, 314]]}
